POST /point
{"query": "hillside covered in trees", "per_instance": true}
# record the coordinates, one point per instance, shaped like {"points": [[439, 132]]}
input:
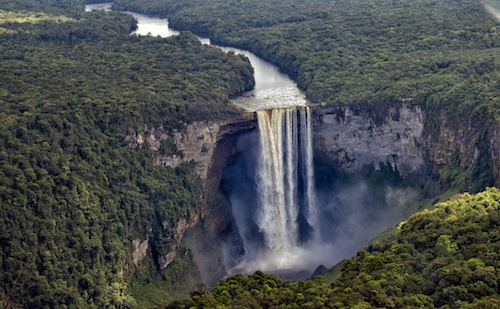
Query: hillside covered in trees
{"points": [[73, 194], [440, 54], [444, 258]]}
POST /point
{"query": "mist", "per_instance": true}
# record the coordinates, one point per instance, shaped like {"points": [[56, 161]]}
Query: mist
{"points": [[493, 11], [351, 213]]}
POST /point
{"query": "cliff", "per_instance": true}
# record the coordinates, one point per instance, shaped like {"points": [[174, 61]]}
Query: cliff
{"points": [[410, 138], [353, 137], [197, 141], [208, 143]]}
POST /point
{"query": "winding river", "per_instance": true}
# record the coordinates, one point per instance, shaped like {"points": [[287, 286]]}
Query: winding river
{"points": [[284, 147], [273, 89]]}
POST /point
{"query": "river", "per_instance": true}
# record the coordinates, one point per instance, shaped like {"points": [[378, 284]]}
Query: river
{"points": [[272, 90], [283, 194]]}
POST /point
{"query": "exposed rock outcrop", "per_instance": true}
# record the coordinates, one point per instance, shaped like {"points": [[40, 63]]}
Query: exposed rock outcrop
{"points": [[353, 137], [411, 139], [177, 233], [140, 250], [195, 142]]}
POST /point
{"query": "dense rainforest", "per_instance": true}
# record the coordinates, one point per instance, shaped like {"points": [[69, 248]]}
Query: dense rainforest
{"points": [[444, 258], [73, 193], [440, 54], [74, 196]]}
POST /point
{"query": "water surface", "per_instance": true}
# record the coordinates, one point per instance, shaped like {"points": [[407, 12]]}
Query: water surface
{"points": [[273, 89]]}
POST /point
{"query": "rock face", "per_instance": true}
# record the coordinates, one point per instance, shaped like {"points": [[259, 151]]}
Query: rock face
{"points": [[353, 137], [177, 234], [196, 142], [409, 138], [461, 138], [140, 250], [209, 144]]}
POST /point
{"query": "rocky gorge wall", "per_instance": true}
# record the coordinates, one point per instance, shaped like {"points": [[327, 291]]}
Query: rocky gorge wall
{"points": [[208, 143], [197, 141], [352, 138], [408, 137]]}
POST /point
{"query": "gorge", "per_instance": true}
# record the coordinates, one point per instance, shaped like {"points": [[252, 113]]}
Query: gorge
{"points": [[141, 169], [276, 225]]}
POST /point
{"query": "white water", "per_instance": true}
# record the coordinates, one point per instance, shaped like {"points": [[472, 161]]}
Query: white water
{"points": [[277, 180], [279, 105], [310, 193], [292, 162]]}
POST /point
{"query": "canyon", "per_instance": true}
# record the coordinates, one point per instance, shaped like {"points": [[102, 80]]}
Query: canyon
{"points": [[347, 138], [415, 143]]}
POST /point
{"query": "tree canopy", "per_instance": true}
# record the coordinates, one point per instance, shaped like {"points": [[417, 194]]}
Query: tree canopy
{"points": [[73, 194], [440, 54], [444, 258]]}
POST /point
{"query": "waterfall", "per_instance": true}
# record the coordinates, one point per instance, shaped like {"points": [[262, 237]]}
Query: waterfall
{"points": [[308, 173], [291, 159], [272, 214], [277, 177]]}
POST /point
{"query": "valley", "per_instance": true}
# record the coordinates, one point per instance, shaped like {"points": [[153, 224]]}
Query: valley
{"points": [[141, 165]]}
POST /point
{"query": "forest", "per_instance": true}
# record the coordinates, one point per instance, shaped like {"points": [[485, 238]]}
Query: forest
{"points": [[444, 258], [439, 54], [73, 193]]}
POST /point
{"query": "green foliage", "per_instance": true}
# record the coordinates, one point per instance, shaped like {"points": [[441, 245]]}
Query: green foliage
{"points": [[438, 53], [73, 194], [441, 55], [445, 258], [174, 282], [67, 7]]}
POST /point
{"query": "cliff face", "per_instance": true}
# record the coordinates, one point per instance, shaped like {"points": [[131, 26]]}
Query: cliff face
{"points": [[354, 137], [208, 143], [409, 138], [198, 142]]}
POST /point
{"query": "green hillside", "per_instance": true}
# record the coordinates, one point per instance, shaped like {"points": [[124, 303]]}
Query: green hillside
{"points": [[436, 53], [444, 258], [73, 194]]}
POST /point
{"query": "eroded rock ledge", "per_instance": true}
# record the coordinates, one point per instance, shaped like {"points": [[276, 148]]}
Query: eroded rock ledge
{"points": [[196, 142], [408, 137]]}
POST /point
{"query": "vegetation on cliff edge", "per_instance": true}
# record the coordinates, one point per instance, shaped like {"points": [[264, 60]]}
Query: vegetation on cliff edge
{"points": [[73, 194], [444, 258]]}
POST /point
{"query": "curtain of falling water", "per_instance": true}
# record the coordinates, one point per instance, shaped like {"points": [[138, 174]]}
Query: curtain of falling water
{"points": [[277, 175]]}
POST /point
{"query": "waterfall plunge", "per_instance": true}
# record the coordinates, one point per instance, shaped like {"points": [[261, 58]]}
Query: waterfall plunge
{"points": [[285, 190]]}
